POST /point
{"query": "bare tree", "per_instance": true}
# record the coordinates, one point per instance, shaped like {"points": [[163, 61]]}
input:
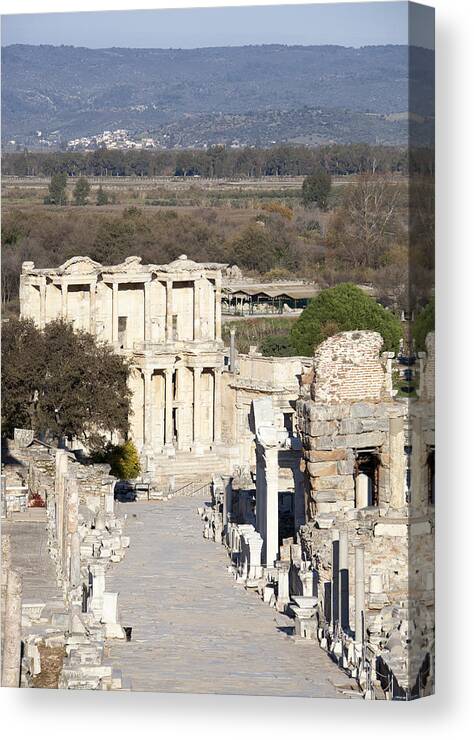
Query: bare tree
{"points": [[365, 224]]}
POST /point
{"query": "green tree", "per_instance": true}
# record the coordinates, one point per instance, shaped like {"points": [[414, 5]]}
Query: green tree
{"points": [[316, 189], [57, 190], [22, 369], [102, 197], [423, 325], [343, 308], [62, 383], [81, 191]]}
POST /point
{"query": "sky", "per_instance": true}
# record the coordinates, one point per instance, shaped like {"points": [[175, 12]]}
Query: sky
{"points": [[347, 24]]}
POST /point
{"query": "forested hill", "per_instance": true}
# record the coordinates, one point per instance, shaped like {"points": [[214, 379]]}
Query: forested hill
{"points": [[255, 94]]}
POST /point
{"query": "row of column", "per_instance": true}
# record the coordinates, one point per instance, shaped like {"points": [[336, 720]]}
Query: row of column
{"points": [[147, 312], [148, 406], [64, 303], [340, 613], [169, 311]]}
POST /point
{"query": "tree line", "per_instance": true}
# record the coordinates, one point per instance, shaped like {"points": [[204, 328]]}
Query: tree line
{"points": [[220, 161], [372, 236]]}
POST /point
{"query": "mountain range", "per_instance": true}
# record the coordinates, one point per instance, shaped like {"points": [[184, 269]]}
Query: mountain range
{"points": [[255, 95]]}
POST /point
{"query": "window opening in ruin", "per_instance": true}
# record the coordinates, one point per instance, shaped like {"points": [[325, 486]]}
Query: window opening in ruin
{"points": [[286, 516], [430, 462], [408, 473], [175, 424], [288, 423], [122, 331], [366, 474]]}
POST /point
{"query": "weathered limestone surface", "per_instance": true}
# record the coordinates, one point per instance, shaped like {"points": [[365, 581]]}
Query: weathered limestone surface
{"points": [[167, 320], [366, 462], [195, 629], [62, 559]]}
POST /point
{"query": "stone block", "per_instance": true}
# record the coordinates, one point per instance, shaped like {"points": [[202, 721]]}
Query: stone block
{"points": [[350, 426], [360, 410], [114, 632], [325, 507], [322, 468], [345, 467], [321, 428], [324, 443], [327, 496], [358, 441], [324, 455], [382, 529], [374, 425], [323, 412], [420, 528]]}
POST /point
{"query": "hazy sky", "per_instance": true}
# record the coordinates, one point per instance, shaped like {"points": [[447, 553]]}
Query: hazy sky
{"points": [[347, 24]]}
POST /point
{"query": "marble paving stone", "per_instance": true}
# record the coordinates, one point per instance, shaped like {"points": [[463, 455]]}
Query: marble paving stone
{"points": [[194, 629]]}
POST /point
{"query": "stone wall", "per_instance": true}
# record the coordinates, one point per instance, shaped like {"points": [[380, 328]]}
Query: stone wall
{"points": [[360, 472], [360, 577], [85, 536]]}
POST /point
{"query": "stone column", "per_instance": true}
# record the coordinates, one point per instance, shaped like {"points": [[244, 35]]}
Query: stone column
{"points": [[92, 307], [73, 565], [59, 490], [343, 580], [75, 568], [12, 633], [418, 498], [197, 308], [169, 310], [169, 406], [148, 411], [147, 311], [397, 462], [283, 584], [64, 287], [218, 310], [97, 571], [42, 317], [362, 491], [335, 579], [114, 312], [217, 405], [232, 352], [267, 500], [72, 514], [197, 372], [359, 593]]}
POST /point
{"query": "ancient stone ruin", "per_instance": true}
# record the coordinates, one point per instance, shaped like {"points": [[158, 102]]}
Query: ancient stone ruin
{"points": [[83, 536], [320, 479], [357, 573]]}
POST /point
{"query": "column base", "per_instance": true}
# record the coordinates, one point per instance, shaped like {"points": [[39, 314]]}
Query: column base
{"points": [[169, 450], [197, 449]]}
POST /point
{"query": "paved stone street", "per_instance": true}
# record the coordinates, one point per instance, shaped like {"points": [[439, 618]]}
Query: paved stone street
{"points": [[30, 557], [194, 628]]}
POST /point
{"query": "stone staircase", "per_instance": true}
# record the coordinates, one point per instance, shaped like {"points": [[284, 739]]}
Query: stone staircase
{"points": [[185, 468]]}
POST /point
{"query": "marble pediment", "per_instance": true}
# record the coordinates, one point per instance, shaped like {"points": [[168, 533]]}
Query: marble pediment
{"points": [[79, 265]]}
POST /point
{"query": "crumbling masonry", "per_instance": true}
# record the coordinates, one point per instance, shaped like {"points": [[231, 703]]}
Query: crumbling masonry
{"points": [[84, 537], [358, 575], [323, 479]]}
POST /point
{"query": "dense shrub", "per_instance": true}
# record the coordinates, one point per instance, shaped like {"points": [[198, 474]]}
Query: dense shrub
{"points": [[343, 308], [423, 325]]}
